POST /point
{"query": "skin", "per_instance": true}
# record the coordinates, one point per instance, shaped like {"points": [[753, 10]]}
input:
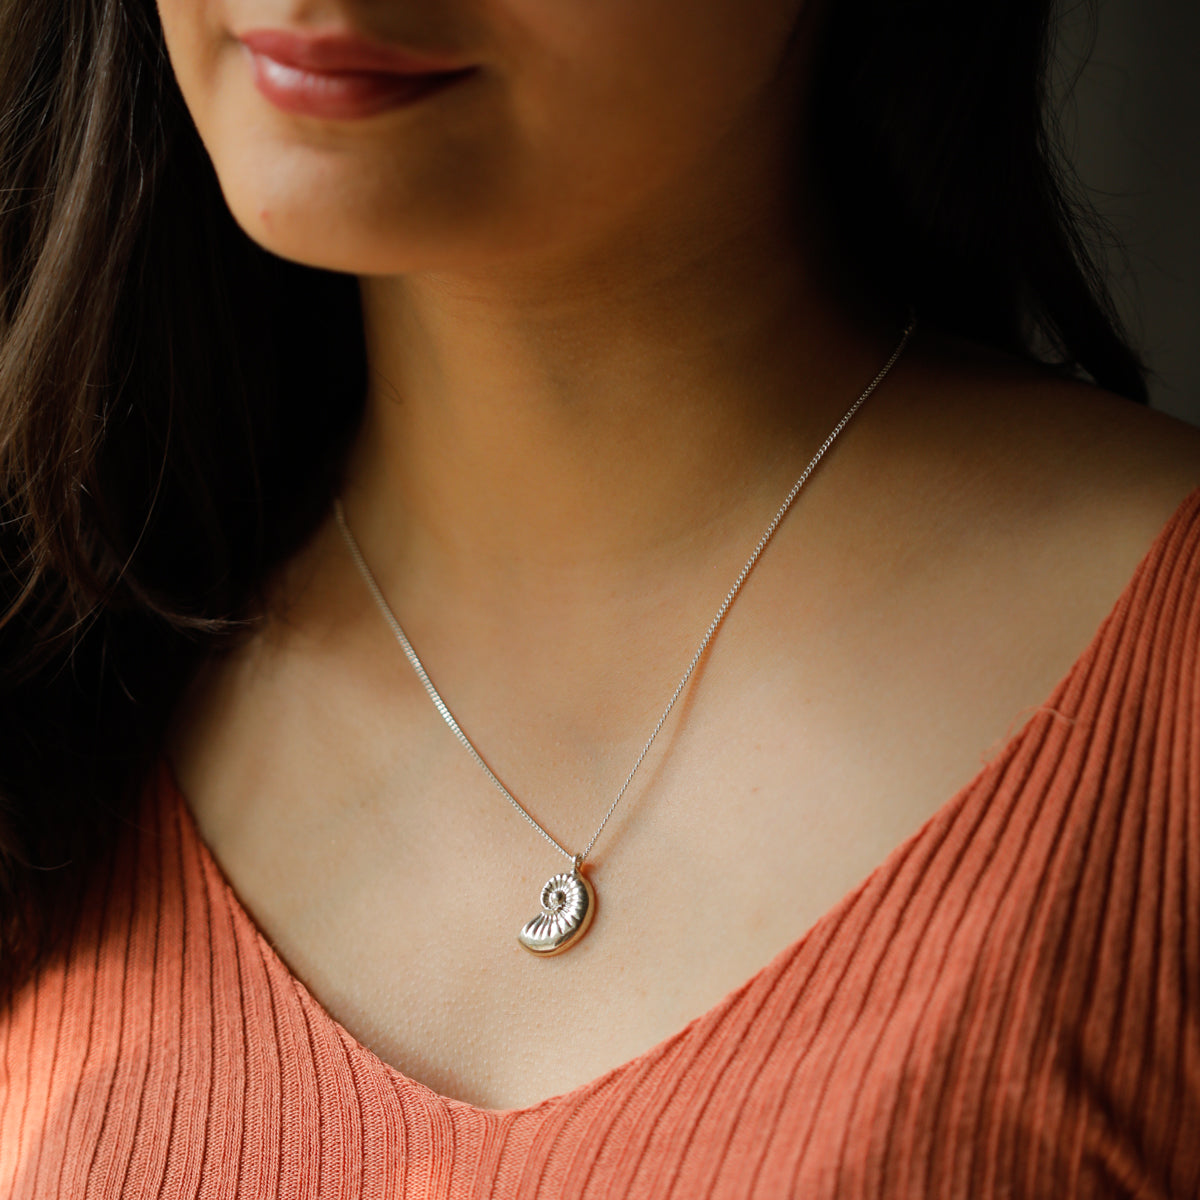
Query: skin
{"points": [[602, 346]]}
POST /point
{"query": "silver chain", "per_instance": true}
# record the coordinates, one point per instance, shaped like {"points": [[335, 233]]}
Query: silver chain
{"points": [[710, 633]]}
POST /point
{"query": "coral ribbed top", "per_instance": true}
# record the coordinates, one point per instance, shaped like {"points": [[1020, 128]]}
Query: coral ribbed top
{"points": [[1008, 1006]]}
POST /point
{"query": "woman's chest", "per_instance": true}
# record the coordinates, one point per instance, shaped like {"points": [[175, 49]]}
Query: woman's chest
{"points": [[393, 878]]}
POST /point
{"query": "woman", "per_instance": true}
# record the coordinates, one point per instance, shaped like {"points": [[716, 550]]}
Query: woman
{"points": [[513, 324]]}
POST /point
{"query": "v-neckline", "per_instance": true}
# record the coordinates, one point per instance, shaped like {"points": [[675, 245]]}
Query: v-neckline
{"points": [[945, 814]]}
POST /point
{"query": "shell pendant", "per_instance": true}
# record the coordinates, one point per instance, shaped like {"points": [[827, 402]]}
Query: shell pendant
{"points": [[568, 905]]}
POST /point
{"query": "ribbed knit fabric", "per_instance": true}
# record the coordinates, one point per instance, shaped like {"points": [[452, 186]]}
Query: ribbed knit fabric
{"points": [[1008, 1006]]}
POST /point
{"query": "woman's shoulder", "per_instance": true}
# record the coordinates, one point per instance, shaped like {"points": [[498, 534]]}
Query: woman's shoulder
{"points": [[1020, 450], [1016, 515]]}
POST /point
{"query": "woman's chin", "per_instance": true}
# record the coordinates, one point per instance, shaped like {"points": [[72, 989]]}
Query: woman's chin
{"points": [[343, 239], [339, 216]]}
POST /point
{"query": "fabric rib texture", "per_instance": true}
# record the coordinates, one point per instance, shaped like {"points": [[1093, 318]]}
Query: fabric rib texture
{"points": [[1008, 1006]]}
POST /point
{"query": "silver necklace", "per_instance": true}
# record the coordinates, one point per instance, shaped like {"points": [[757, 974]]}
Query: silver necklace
{"points": [[568, 900]]}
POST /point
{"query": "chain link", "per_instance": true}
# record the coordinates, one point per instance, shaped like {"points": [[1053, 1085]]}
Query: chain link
{"points": [[447, 716]]}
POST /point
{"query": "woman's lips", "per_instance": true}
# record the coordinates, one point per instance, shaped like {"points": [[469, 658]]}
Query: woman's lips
{"points": [[342, 77]]}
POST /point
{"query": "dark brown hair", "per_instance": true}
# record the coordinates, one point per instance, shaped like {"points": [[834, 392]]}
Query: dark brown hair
{"points": [[175, 402]]}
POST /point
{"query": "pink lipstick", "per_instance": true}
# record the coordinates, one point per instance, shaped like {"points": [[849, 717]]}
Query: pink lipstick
{"points": [[342, 76]]}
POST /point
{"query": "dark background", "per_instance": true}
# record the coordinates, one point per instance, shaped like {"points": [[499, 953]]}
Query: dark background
{"points": [[1131, 116]]}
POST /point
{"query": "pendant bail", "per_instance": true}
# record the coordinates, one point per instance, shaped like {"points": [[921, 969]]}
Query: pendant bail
{"points": [[578, 863]]}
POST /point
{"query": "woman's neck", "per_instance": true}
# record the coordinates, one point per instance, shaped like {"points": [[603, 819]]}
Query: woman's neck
{"points": [[585, 424]]}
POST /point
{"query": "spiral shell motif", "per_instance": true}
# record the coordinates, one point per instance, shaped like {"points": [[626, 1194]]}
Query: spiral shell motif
{"points": [[568, 905]]}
